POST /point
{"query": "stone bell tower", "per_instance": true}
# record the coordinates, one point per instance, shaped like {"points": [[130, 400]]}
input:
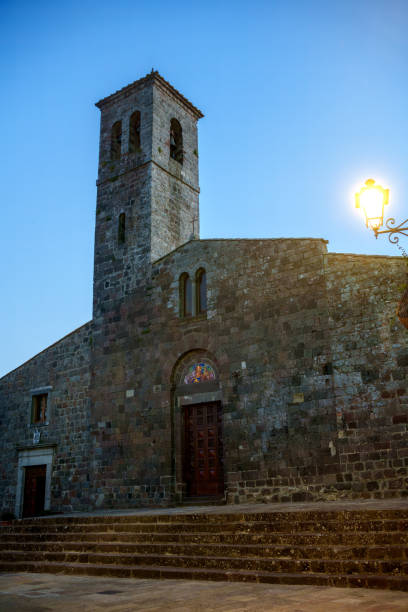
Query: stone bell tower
{"points": [[147, 183]]}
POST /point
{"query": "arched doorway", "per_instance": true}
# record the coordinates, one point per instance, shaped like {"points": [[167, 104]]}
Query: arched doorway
{"points": [[199, 425]]}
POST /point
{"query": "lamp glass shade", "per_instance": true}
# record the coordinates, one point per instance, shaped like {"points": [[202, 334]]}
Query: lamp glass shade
{"points": [[372, 203]]}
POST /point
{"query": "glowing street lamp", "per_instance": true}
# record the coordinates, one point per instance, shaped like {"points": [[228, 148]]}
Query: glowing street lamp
{"points": [[372, 198]]}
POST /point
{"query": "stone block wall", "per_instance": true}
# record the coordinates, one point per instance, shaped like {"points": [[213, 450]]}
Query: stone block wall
{"points": [[272, 326], [124, 186], [175, 186], [266, 329], [266, 310], [370, 368], [130, 427], [63, 368], [312, 375], [119, 268]]}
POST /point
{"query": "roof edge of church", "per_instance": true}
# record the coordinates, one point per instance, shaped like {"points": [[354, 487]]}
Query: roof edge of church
{"points": [[371, 255], [199, 240], [74, 331], [155, 77]]}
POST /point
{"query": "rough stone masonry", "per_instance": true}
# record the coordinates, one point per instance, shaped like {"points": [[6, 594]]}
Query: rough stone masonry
{"points": [[246, 370]]}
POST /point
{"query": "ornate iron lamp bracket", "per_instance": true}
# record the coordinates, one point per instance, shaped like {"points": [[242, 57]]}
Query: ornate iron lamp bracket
{"points": [[393, 229]]}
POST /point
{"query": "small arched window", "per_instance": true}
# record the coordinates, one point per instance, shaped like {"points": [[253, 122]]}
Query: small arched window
{"points": [[116, 140], [186, 295], [122, 228], [201, 291], [134, 132], [176, 141]]}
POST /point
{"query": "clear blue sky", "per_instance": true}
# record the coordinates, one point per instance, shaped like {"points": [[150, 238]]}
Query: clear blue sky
{"points": [[303, 100]]}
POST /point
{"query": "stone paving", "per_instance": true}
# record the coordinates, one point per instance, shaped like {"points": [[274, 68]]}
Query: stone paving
{"points": [[48, 592]]}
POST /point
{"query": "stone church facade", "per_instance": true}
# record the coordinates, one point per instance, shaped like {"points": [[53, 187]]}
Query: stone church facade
{"points": [[246, 370]]}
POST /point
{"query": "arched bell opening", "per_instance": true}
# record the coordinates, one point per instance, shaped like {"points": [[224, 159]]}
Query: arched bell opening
{"points": [[197, 427]]}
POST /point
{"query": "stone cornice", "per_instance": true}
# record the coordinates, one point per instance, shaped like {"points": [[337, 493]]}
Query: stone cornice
{"points": [[153, 77]]}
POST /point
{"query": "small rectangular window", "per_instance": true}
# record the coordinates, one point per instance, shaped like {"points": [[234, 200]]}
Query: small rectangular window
{"points": [[39, 408], [122, 228]]}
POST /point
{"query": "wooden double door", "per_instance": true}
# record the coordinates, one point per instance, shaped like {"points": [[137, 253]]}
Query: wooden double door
{"points": [[34, 490], [203, 471]]}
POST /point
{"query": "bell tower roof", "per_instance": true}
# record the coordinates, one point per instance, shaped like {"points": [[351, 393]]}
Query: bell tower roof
{"points": [[156, 78]]}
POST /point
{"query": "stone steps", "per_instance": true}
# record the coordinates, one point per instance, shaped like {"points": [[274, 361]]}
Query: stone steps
{"points": [[268, 564], [380, 538], [231, 550], [343, 548], [233, 526], [275, 516]]}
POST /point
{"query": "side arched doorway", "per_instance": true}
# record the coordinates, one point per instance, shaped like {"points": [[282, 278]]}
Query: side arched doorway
{"points": [[198, 426]]}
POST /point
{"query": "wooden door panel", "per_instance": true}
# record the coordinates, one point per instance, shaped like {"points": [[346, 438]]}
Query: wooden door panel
{"points": [[203, 449], [34, 490]]}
